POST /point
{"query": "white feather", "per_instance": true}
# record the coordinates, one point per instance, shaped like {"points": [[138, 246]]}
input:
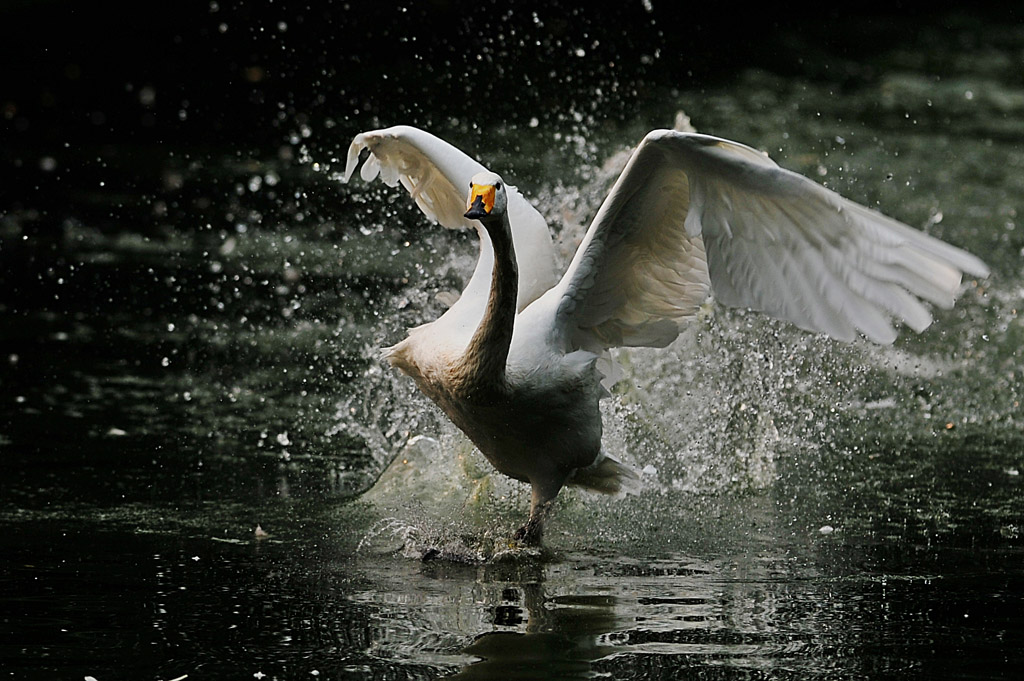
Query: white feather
{"points": [[773, 241], [437, 176], [689, 214]]}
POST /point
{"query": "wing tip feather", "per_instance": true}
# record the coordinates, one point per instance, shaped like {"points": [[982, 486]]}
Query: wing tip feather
{"points": [[352, 159]]}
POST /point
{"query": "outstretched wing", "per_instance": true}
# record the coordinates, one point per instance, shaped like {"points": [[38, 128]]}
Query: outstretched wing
{"points": [[437, 176], [692, 212]]}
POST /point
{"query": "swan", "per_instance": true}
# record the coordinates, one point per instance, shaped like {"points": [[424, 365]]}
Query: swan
{"points": [[516, 361]]}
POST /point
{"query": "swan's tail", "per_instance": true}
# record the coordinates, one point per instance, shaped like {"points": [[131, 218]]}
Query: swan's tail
{"points": [[607, 476]]}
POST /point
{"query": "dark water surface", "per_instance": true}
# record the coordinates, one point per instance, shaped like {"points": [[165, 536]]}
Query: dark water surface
{"points": [[191, 306]]}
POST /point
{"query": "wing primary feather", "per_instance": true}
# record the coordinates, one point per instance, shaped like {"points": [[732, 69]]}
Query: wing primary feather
{"points": [[954, 256], [355, 151]]}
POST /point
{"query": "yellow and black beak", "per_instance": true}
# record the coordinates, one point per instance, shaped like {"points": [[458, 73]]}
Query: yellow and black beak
{"points": [[481, 201]]}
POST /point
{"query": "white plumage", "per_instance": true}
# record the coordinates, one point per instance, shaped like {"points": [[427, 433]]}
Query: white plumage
{"points": [[689, 214]]}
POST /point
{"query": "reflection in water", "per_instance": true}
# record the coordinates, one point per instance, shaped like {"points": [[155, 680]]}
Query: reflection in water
{"points": [[733, 617], [580, 614], [724, 586], [537, 635], [789, 583]]}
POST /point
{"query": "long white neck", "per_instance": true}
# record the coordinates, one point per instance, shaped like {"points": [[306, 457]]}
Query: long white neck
{"points": [[483, 362]]}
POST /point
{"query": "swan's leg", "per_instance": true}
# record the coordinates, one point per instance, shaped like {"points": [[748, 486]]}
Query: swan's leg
{"points": [[541, 503]]}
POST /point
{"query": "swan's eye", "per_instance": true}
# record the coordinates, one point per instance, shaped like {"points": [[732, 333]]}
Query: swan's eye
{"points": [[498, 186]]}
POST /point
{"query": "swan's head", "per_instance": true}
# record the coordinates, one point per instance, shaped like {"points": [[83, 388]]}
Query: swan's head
{"points": [[487, 196]]}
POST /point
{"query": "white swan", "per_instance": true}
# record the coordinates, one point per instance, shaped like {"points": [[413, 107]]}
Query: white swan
{"points": [[513, 362]]}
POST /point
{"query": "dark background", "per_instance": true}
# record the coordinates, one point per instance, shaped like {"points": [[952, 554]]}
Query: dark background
{"points": [[108, 108], [229, 72]]}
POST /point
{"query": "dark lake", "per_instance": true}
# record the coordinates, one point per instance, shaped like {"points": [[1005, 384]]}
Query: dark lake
{"points": [[206, 470]]}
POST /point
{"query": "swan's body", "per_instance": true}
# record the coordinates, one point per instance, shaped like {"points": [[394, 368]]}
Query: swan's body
{"points": [[514, 362]]}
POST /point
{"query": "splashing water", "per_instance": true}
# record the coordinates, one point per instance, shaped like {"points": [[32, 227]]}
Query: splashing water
{"points": [[737, 404], [710, 414]]}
